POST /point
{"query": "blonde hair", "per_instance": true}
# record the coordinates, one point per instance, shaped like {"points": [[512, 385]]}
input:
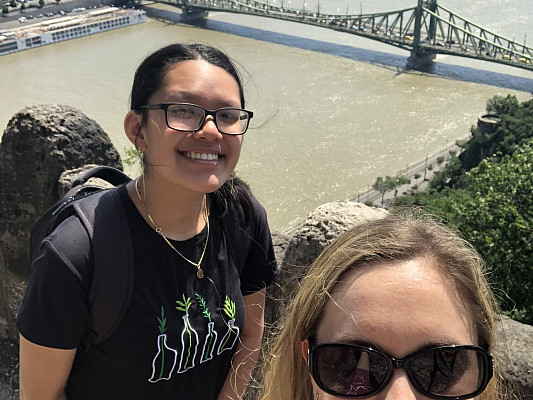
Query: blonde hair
{"points": [[394, 238]]}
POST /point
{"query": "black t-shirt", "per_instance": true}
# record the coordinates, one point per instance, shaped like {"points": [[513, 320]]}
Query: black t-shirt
{"points": [[177, 339]]}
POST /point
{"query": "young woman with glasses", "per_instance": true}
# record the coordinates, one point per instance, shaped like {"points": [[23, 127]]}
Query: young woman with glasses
{"points": [[397, 308], [202, 254]]}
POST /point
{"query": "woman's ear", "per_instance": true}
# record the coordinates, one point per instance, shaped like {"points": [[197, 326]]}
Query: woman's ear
{"points": [[132, 127], [305, 349]]}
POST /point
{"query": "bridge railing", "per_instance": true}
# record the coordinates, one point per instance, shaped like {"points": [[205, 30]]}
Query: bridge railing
{"points": [[455, 32]]}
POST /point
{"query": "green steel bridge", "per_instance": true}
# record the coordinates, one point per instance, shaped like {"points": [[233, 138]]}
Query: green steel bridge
{"points": [[425, 30]]}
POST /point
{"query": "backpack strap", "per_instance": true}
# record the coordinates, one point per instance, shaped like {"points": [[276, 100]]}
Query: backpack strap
{"points": [[104, 218], [108, 174]]}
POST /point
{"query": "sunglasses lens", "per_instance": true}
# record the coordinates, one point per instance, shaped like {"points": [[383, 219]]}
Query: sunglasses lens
{"points": [[349, 370], [448, 371]]}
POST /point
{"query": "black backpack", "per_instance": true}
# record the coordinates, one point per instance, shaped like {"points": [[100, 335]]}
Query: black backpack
{"points": [[97, 209]]}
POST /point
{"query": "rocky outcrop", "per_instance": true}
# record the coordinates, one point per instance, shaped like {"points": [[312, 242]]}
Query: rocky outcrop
{"points": [[516, 356], [323, 225], [38, 145]]}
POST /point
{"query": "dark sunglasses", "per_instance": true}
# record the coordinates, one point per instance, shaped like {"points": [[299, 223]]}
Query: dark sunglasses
{"points": [[444, 372]]}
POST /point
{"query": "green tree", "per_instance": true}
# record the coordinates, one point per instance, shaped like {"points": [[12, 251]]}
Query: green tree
{"points": [[495, 213], [13, 3], [22, 6], [389, 183], [5, 10], [499, 105], [487, 193], [132, 156], [515, 127], [41, 3]]}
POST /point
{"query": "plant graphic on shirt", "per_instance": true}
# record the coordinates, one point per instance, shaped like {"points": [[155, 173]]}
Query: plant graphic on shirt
{"points": [[211, 338], [165, 359], [231, 336], [189, 337]]}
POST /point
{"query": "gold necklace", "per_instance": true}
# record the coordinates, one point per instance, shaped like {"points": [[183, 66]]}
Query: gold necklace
{"points": [[199, 272]]}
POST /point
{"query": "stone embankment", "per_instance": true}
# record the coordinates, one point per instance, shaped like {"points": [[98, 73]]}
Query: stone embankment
{"points": [[43, 142]]}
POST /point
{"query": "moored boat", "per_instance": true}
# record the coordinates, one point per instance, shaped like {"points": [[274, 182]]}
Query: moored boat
{"points": [[68, 27]]}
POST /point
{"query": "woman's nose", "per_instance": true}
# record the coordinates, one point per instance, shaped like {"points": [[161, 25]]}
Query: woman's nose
{"points": [[208, 131], [399, 388]]}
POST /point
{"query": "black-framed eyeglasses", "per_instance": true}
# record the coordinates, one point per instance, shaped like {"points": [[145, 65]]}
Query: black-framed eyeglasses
{"points": [[444, 372], [185, 117]]}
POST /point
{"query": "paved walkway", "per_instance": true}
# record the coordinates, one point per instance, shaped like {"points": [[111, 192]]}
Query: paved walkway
{"points": [[409, 172]]}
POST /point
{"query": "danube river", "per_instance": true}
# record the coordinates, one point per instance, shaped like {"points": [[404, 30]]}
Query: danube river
{"points": [[333, 111]]}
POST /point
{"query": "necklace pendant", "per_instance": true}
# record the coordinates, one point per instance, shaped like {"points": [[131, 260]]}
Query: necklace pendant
{"points": [[200, 273]]}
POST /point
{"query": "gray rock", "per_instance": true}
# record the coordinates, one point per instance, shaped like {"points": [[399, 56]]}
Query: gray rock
{"points": [[38, 145], [323, 225], [516, 355]]}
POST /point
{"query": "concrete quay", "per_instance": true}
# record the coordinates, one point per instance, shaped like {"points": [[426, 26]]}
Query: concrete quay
{"points": [[420, 168]]}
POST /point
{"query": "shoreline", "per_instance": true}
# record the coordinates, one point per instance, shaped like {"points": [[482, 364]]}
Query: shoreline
{"points": [[420, 167]]}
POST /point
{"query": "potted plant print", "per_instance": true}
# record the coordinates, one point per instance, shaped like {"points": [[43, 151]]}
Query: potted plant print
{"points": [[211, 338], [165, 360], [231, 336]]}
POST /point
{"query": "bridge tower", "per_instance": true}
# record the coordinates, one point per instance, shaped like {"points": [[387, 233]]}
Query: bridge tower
{"points": [[421, 58], [191, 13]]}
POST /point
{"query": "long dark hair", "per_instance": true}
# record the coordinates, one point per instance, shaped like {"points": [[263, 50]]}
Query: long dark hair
{"points": [[234, 195]]}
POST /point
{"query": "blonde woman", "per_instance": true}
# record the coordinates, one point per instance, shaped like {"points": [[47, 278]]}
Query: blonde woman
{"points": [[397, 308]]}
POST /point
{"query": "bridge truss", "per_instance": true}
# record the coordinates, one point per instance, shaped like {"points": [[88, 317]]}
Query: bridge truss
{"points": [[425, 30]]}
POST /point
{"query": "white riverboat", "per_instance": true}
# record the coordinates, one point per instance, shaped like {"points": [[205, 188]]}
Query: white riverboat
{"points": [[68, 27]]}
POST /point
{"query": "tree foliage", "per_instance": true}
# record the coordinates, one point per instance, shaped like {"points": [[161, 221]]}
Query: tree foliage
{"points": [[495, 213], [389, 183], [514, 128], [502, 105]]}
